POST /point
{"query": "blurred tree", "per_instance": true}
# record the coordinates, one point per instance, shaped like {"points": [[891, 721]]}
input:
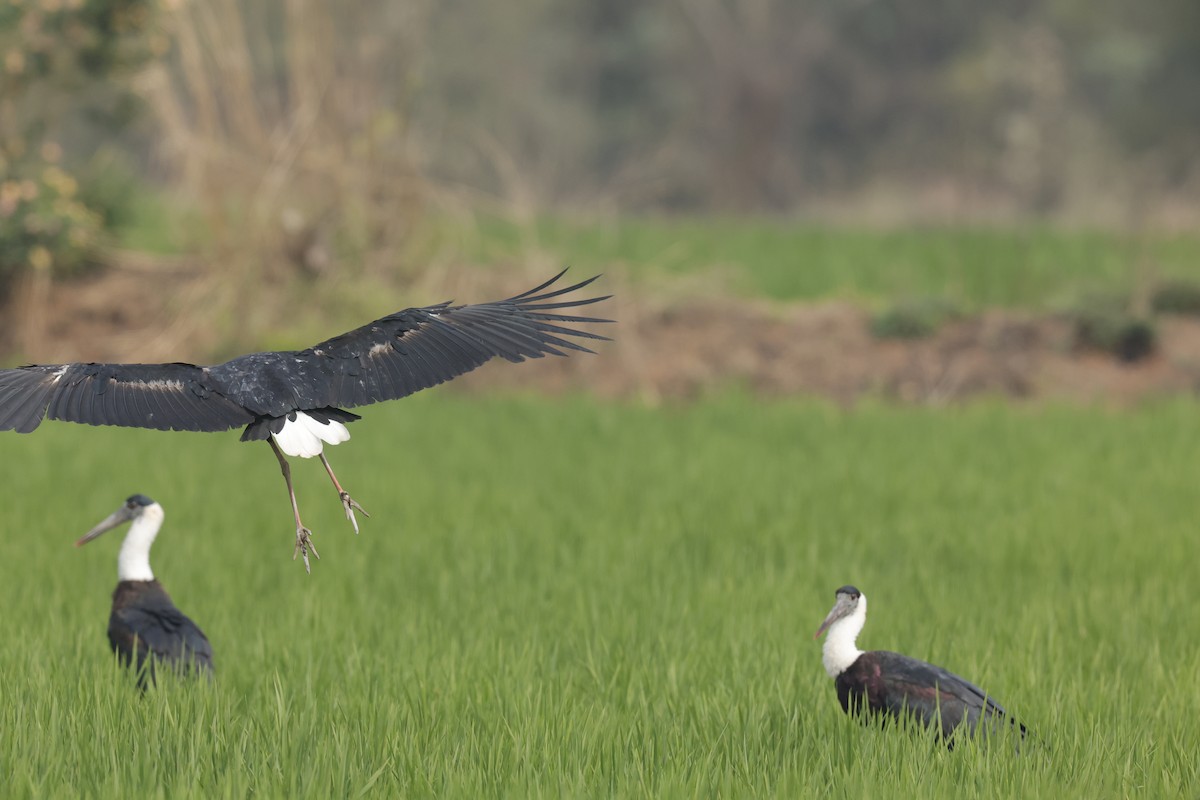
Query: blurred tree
{"points": [[286, 125], [1138, 65], [751, 61], [63, 61], [619, 72], [320, 123], [745, 105]]}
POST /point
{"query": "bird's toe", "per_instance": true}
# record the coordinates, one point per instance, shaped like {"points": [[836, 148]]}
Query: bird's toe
{"points": [[304, 544], [351, 505]]}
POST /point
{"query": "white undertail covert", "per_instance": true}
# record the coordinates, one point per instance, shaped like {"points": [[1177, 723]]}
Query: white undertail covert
{"points": [[306, 437]]}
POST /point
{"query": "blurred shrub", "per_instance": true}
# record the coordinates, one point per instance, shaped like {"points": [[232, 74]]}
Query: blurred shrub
{"points": [[60, 64], [1177, 297], [109, 186], [72, 41], [43, 223], [1105, 323], [913, 318]]}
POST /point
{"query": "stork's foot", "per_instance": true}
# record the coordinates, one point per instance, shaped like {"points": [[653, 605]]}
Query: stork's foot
{"points": [[303, 545], [351, 505]]}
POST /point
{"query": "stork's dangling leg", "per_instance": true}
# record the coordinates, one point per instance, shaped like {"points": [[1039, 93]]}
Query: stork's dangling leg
{"points": [[348, 502], [303, 535]]}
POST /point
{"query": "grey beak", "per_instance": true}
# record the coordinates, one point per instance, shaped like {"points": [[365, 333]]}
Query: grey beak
{"points": [[840, 609], [118, 517]]}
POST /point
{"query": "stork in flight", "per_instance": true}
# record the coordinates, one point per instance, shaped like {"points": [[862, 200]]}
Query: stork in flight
{"points": [[145, 627], [295, 400], [885, 683]]}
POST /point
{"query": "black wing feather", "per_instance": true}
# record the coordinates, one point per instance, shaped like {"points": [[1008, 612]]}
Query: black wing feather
{"points": [[514, 334], [417, 348], [390, 358], [965, 691], [936, 695], [75, 401], [179, 397], [165, 632], [23, 399]]}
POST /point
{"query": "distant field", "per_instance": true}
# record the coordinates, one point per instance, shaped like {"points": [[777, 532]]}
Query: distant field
{"points": [[1031, 267], [569, 599]]}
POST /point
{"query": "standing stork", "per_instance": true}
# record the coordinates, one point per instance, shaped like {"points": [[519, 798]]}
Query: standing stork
{"points": [[888, 683], [144, 624], [295, 399]]}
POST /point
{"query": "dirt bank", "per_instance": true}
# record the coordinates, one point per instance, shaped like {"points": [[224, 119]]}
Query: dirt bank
{"points": [[684, 347]]}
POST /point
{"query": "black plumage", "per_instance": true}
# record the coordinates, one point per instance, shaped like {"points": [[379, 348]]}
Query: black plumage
{"points": [[145, 629], [882, 683], [889, 683], [387, 359]]}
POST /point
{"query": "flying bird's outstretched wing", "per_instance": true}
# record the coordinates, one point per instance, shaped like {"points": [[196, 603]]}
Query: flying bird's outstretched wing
{"points": [[387, 359], [417, 348], [175, 397]]}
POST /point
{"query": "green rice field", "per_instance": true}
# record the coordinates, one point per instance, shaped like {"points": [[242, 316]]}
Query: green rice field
{"points": [[573, 599], [1018, 267], [1032, 267]]}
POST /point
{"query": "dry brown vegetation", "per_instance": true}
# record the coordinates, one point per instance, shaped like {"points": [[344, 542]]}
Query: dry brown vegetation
{"points": [[292, 145], [670, 347]]}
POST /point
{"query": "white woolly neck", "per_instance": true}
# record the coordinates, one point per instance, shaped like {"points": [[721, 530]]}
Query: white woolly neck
{"points": [[840, 650], [133, 562]]}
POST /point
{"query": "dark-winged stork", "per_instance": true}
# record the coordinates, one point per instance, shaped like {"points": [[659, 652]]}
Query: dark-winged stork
{"points": [[887, 683], [145, 627], [295, 400]]}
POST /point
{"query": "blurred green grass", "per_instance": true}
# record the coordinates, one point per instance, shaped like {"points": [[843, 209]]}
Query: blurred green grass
{"points": [[1028, 267], [1081, 273], [565, 598]]}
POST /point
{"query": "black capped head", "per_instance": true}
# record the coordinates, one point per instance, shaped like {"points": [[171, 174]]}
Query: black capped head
{"points": [[849, 600], [135, 501], [133, 507]]}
